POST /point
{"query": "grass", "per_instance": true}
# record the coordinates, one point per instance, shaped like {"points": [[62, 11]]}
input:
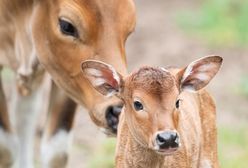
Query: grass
{"points": [[104, 155], [219, 22], [232, 143], [233, 146], [243, 86], [223, 23]]}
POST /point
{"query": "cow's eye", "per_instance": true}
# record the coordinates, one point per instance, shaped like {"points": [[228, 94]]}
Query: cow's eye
{"points": [[138, 105], [178, 103], [67, 28]]}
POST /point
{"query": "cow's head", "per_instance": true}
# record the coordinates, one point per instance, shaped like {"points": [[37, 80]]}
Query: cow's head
{"points": [[67, 32]]}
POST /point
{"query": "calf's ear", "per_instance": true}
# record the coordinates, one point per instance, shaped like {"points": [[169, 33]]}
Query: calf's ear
{"points": [[103, 77], [199, 73]]}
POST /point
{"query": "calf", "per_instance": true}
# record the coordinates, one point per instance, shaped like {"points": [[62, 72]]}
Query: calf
{"points": [[168, 120], [43, 42]]}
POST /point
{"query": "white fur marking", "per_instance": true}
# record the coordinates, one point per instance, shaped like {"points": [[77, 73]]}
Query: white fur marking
{"points": [[58, 144], [206, 164], [189, 68], [202, 68], [93, 72], [202, 76], [187, 72], [98, 81], [206, 67], [189, 88], [110, 94], [163, 69]]}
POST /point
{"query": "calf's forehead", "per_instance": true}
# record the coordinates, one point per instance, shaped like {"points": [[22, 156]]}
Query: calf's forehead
{"points": [[153, 81]]}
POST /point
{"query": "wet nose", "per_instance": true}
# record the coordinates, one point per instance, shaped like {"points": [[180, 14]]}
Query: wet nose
{"points": [[167, 139], [112, 117]]}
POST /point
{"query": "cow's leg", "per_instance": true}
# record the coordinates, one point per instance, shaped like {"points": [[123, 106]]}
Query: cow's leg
{"points": [[26, 118], [56, 139], [8, 141]]}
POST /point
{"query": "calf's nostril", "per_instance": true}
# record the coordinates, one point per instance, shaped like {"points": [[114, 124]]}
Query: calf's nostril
{"points": [[160, 139], [177, 142], [174, 136], [167, 140]]}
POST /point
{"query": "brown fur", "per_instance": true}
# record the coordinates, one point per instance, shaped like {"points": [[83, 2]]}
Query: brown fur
{"points": [[165, 105], [32, 45], [146, 77], [195, 122], [30, 29], [167, 120]]}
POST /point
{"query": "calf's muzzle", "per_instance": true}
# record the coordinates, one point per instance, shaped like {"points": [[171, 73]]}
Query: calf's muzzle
{"points": [[167, 139]]}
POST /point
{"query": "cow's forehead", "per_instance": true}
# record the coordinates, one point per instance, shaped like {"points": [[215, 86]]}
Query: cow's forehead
{"points": [[106, 6], [120, 14]]}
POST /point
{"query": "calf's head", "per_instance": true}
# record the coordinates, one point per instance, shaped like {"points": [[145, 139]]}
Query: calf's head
{"points": [[150, 96], [68, 31]]}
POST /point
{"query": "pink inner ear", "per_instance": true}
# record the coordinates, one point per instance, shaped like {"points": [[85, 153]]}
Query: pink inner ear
{"points": [[109, 77], [199, 73], [102, 77]]}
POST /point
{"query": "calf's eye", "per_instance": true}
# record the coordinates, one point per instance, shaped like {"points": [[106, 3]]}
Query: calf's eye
{"points": [[138, 105]]}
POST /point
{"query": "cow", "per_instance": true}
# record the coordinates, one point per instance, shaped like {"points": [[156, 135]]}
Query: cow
{"points": [[43, 42]]}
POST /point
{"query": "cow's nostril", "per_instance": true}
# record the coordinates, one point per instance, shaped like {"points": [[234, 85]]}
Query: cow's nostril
{"points": [[112, 117], [116, 110]]}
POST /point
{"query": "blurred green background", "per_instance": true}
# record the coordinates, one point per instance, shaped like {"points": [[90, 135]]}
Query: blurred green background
{"points": [[219, 22], [224, 24], [176, 33]]}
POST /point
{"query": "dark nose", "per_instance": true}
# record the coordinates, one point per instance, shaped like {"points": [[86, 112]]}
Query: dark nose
{"points": [[112, 117], [167, 139]]}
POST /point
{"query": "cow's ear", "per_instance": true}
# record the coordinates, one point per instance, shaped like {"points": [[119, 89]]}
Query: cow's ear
{"points": [[199, 73], [103, 77]]}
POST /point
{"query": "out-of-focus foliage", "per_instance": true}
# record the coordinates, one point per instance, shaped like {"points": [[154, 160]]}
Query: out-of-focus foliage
{"points": [[220, 22], [243, 88], [103, 157], [233, 148]]}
